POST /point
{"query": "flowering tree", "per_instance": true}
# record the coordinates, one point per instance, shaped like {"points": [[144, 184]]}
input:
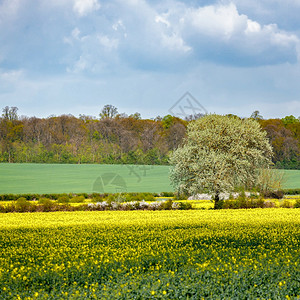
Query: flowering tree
{"points": [[220, 154]]}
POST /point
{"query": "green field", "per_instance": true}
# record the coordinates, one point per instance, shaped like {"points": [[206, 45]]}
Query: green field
{"points": [[71, 178], [200, 254], [291, 179]]}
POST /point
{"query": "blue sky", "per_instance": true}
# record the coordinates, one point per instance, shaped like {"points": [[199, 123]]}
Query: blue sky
{"points": [[75, 56]]}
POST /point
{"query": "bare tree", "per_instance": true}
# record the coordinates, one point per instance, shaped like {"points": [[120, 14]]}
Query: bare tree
{"points": [[108, 112], [10, 113]]}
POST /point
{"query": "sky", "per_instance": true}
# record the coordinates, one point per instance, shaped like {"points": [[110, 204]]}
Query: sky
{"points": [[152, 57]]}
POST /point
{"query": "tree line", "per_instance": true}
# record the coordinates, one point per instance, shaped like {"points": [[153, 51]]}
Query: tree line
{"points": [[112, 138], [116, 138]]}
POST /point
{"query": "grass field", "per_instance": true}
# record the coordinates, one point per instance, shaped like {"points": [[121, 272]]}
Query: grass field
{"points": [[291, 179], [232, 254], [56, 178]]}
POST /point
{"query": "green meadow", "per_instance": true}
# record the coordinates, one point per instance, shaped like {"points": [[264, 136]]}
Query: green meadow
{"points": [[291, 179], [71, 178]]}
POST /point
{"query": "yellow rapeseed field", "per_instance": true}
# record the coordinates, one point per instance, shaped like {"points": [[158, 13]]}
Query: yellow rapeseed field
{"points": [[195, 254]]}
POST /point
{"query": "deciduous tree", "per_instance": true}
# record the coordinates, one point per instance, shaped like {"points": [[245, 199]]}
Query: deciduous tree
{"points": [[108, 112], [220, 154]]}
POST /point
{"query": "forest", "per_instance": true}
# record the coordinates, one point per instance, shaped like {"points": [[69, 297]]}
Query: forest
{"points": [[116, 138]]}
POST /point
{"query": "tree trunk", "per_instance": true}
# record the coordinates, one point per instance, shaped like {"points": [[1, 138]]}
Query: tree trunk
{"points": [[217, 199]]}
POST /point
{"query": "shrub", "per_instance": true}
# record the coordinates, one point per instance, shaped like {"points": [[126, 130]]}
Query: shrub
{"points": [[85, 195], [269, 204], [167, 205], [96, 198], [167, 194], [254, 195], [274, 194], [180, 196], [261, 203], [134, 205], [144, 205], [29, 196], [63, 199], [297, 204], [98, 206], [8, 197], [286, 204], [292, 192], [155, 205], [46, 205], [242, 203], [226, 204], [137, 196], [2, 209], [185, 205], [149, 198], [82, 207], [245, 203], [23, 205], [52, 196], [157, 195], [43, 200], [77, 199]]}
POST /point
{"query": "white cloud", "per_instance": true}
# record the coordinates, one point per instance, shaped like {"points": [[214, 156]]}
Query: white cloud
{"points": [[224, 21], [75, 36], [79, 66], [118, 25], [9, 9], [252, 27], [84, 7], [163, 20], [281, 38], [11, 76], [140, 34], [219, 21], [75, 33], [218, 52], [170, 35], [134, 2], [215, 30], [175, 42], [109, 43]]}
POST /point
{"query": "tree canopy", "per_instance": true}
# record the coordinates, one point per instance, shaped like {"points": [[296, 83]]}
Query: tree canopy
{"points": [[118, 138], [219, 154]]}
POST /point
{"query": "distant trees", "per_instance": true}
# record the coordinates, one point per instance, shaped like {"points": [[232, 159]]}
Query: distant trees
{"points": [[256, 116], [284, 136], [108, 112], [10, 113], [10, 132], [136, 116], [117, 138], [290, 120], [113, 138]]}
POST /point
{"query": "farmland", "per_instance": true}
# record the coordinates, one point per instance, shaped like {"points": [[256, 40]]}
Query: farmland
{"points": [[70, 178], [65, 178], [239, 254]]}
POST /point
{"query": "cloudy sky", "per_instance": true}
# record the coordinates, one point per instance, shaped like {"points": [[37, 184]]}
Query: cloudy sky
{"points": [[75, 56]]}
